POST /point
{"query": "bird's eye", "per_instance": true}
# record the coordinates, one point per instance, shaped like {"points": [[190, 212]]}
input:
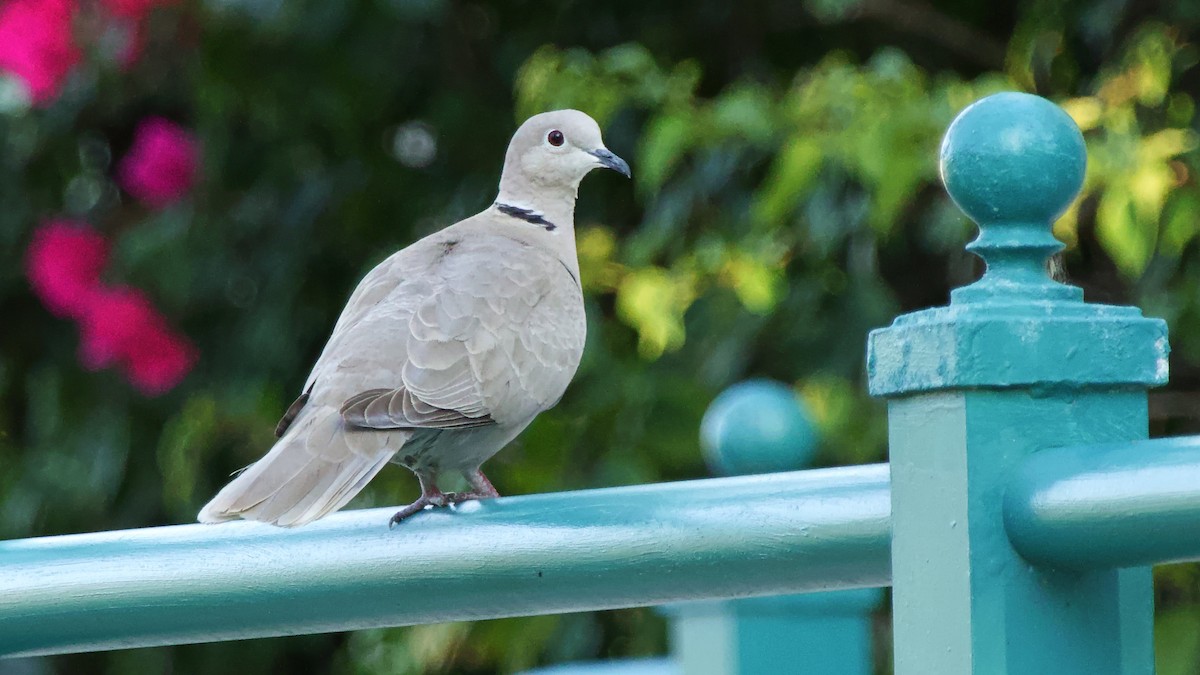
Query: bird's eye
{"points": [[555, 138]]}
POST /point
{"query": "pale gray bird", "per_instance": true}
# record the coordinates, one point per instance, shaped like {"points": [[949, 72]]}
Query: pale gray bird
{"points": [[446, 350]]}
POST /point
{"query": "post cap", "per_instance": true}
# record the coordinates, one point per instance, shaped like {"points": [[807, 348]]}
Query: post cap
{"points": [[1013, 157], [1014, 162], [757, 426]]}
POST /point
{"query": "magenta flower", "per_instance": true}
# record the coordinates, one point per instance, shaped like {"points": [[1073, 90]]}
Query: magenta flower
{"points": [[63, 264], [112, 326], [163, 358], [118, 326], [123, 328], [160, 166], [36, 45]]}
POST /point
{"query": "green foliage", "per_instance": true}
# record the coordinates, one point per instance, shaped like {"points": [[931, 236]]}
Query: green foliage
{"points": [[785, 202]]}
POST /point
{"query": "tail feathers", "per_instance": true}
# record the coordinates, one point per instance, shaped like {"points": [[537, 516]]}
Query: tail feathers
{"points": [[299, 481]]}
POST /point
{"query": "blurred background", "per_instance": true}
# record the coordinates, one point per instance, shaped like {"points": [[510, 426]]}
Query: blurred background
{"points": [[189, 191]]}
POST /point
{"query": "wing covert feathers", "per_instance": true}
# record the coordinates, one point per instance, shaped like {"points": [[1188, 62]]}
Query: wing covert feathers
{"points": [[399, 409]]}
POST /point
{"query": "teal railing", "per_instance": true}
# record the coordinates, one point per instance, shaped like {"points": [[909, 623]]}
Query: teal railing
{"points": [[758, 426], [1017, 522]]}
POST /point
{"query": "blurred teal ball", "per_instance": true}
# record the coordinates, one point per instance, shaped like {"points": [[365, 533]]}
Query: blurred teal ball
{"points": [[757, 426], [1013, 157]]}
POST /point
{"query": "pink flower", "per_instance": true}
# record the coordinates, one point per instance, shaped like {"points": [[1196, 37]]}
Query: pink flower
{"points": [[161, 164], [112, 326], [63, 264], [160, 362], [123, 328], [36, 46]]}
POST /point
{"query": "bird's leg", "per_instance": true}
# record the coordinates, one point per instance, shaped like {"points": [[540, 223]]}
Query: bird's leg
{"points": [[481, 488], [430, 496], [481, 485]]}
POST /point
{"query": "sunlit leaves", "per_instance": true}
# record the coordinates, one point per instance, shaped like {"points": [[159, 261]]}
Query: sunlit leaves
{"points": [[1086, 111], [1150, 66], [653, 300], [596, 246], [552, 78], [1118, 229], [782, 155], [1133, 167], [1182, 222], [757, 284]]}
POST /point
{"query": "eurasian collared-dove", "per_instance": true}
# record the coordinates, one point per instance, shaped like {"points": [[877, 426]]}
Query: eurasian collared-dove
{"points": [[446, 350]]}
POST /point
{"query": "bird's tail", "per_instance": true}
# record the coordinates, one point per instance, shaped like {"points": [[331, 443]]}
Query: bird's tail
{"points": [[312, 471]]}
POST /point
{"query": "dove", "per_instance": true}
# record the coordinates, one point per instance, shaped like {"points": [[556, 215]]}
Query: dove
{"points": [[446, 350]]}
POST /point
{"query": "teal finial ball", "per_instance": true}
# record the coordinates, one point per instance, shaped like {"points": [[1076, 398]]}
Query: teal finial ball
{"points": [[1013, 157], [757, 426]]}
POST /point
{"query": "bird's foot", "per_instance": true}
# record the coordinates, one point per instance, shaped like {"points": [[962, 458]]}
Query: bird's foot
{"points": [[436, 500], [439, 500], [431, 496], [460, 497]]}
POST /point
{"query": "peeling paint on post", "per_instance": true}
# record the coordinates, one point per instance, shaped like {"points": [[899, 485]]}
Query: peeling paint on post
{"points": [[1015, 364]]}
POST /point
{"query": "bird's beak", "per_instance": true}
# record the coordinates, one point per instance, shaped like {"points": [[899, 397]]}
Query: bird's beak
{"points": [[611, 161]]}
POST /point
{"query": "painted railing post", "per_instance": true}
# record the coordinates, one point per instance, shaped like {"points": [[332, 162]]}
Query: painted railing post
{"points": [[1015, 364], [759, 426]]}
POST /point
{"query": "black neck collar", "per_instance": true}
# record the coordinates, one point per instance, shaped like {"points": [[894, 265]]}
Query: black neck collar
{"points": [[527, 215]]}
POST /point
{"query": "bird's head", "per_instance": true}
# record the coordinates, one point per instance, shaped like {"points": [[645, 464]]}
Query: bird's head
{"points": [[556, 150]]}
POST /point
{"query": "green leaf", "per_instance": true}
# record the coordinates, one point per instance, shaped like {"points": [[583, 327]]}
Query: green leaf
{"points": [[653, 301], [663, 144], [1177, 642], [1126, 242], [792, 173], [1182, 225]]}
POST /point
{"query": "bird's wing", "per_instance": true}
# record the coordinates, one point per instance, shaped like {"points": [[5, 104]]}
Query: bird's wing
{"points": [[400, 409], [490, 333], [377, 286]]}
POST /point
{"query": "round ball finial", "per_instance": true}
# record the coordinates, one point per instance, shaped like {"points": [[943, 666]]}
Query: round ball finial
{"points": [[1013, 157], [757, 426]]}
